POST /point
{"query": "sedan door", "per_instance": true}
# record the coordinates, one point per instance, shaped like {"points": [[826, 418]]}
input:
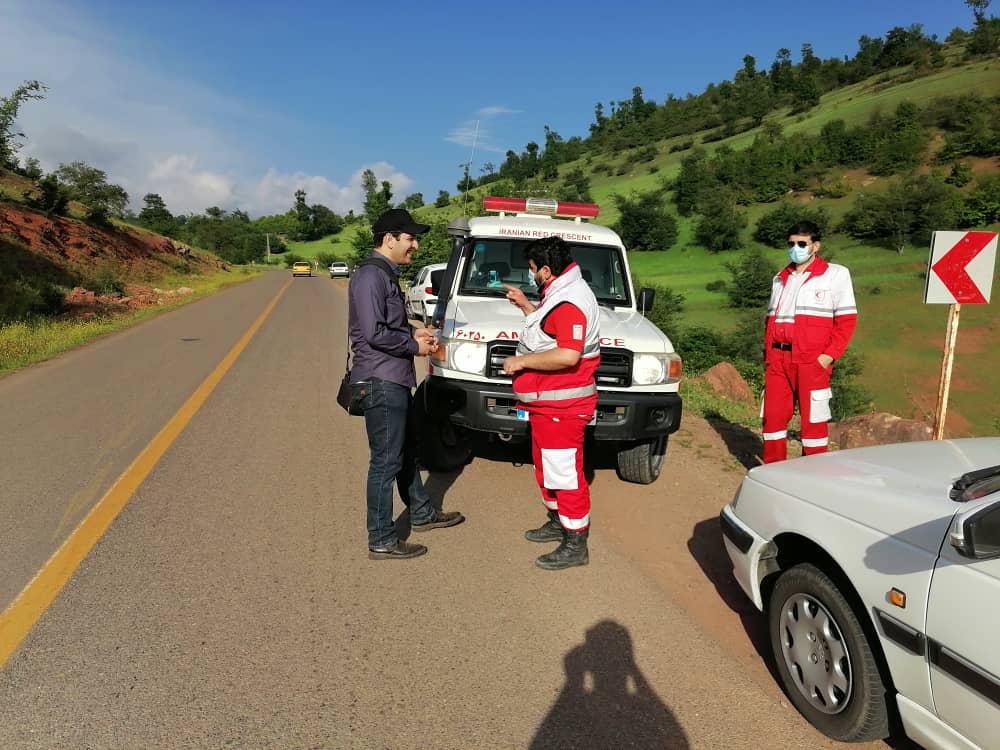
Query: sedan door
{"points": [[963, 629]]}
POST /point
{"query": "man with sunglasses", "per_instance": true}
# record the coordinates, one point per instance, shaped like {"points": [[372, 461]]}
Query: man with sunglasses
{"points": [[810, 319], [383, 344]]}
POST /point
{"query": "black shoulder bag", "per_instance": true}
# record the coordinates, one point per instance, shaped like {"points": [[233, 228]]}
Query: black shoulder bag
{"points": [[345, 394]]}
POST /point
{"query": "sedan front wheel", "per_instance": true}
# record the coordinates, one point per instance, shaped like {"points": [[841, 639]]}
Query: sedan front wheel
{"points": [[824, 658]]}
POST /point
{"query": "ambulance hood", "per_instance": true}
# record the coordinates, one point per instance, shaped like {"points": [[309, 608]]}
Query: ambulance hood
{"points": [[491, 318]]}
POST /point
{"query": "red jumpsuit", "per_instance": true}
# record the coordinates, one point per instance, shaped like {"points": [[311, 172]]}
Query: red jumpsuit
{"points": [[809, 314], [561, 403]]}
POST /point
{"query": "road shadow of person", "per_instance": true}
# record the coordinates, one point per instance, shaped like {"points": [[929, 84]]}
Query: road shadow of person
{"points": [[606, 702], [745, 445], [709, 551]]}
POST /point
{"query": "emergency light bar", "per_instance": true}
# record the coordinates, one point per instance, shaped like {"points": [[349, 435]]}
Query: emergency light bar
{"points": [[544, 206]]}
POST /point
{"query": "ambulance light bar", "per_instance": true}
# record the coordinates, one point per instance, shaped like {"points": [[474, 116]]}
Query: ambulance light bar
{"points": [[544, 206]]}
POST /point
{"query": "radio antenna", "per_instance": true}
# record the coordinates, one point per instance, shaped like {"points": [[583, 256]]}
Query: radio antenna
{"points": [[468, 170]]}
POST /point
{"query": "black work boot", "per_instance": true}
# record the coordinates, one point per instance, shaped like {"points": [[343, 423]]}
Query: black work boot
{"points": [[572, 551], [550, 531]]}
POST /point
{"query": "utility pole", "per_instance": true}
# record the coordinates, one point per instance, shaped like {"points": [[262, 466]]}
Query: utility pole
{"points": [[267, 236], [468, 171]]}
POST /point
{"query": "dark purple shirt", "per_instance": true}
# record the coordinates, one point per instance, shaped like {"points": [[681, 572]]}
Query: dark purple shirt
{"points": [[381, 336]]}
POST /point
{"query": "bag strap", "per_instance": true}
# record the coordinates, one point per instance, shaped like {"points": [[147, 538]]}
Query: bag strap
{"points": [[371, 260]]}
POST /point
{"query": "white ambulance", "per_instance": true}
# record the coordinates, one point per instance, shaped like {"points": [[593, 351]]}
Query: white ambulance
{"points": [[639, 375]]}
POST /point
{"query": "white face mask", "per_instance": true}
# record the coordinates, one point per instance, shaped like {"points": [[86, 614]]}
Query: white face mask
{"points": [[799, 254]]}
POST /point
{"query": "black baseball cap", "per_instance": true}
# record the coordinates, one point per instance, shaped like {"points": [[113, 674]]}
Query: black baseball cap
{"points": [[398, 220]]}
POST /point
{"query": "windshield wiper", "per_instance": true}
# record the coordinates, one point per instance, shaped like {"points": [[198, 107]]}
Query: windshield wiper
{"points": [[485, 292], [967, 480]]}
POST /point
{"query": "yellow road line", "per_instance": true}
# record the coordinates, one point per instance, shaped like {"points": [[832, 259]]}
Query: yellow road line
{"points": [[20, 617]]}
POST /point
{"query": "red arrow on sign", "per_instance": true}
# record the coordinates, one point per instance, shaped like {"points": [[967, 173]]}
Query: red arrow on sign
{"points": [[951, 267]]}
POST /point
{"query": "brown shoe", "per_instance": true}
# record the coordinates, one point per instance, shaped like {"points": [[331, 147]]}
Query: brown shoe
{"points": [[399, 551], [440, 520]]}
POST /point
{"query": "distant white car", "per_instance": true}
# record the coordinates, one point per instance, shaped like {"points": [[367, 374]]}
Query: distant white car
{"points": [[879, 571], [338, 268], [420, 297]]}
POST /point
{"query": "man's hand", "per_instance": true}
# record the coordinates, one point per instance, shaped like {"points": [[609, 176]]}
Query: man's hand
{"points": [[516, 297], [427, 342], [513, 365], [825, 360]]}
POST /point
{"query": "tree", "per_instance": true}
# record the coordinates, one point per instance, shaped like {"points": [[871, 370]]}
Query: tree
{"points": [[156, 217], [721, 224], [9, 108], [32, 168], [908, 211], [90, 186], [750, 279], [323, 222], [442, 200], [52, 197], [377, 200], [772, 228], [413, 201], [645, 224]]}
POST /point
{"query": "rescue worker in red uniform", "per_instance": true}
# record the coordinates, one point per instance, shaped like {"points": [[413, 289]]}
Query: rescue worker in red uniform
{"points": [[810, 319], [557, 355]]}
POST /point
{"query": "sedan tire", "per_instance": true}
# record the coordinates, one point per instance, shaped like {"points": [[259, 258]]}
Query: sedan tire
{"points": [[824, 658]]}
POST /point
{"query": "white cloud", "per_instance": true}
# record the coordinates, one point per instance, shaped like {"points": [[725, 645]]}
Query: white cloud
{"points": [[477, 132], [275, 191], [151, 133]]}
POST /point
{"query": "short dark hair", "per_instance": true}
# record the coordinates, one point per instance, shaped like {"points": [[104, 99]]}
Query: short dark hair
{"points": [[805, 227], [549, 251]]}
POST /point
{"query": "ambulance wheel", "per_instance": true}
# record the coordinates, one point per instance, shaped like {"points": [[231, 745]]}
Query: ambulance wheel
{"points": [[641, 462], [442, 445]]}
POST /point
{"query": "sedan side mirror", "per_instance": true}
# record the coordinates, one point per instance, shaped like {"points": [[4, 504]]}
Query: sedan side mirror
{"points": [[646, 298], [976, 533]]}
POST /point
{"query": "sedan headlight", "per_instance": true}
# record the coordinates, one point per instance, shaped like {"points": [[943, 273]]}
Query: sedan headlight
{"points": [[654, 369]]}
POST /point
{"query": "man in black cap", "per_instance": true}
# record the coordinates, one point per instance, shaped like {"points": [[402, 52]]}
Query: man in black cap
{"points": [[382, 376]]}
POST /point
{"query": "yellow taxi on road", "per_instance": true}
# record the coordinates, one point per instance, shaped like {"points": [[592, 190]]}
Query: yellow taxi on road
{"points": [[302, 268]]}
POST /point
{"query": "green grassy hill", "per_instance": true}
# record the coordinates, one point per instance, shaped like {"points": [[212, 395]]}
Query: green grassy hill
{"points": [[899, 338]]}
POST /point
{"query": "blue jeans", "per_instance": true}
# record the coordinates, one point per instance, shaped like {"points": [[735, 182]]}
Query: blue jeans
{"points": [[392, 443]]}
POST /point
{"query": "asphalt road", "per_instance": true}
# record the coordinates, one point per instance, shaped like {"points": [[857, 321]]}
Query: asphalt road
{"points": [[231, 603]]}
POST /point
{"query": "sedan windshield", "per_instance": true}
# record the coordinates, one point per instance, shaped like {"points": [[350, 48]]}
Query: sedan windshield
{"points": [[495, 262]]}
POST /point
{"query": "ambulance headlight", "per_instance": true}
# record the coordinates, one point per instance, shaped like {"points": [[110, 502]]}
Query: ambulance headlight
{"points": [[655, 369], [468, 356]]}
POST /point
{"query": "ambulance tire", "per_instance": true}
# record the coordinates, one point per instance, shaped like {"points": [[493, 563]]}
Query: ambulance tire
{"points": [[442, 445], [641, 462]]}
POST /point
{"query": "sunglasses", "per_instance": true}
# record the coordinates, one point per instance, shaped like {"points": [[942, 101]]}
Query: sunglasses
{"points": [[800, 243]]}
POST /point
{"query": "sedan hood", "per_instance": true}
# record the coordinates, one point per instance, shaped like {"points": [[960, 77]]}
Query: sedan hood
{"points": [[886, 487]]}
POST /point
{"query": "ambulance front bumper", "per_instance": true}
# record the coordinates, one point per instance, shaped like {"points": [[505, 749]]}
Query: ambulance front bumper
{"points": [[491, 407]]}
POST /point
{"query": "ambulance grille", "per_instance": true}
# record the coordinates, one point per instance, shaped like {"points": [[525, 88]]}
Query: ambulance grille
{"points": [[615, 368]]}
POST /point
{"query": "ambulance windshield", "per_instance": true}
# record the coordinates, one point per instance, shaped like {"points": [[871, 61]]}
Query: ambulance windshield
{"points": [[495, 262]]}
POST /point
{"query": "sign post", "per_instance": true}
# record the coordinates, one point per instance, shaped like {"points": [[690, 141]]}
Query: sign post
{"points": [[960, 270]]}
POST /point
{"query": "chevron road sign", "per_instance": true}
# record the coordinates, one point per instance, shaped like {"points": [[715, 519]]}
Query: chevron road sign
{"points": [[960, 270]]}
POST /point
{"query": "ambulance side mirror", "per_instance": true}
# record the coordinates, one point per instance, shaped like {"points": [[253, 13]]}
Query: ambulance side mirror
{"points": [[646, 298]]}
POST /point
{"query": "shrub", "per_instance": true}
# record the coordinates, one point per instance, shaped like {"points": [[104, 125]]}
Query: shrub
{"points": [[772, 228], [645, 223], [751, 281], [719, 285], [290, 259], [107, 281], [52, 197]]}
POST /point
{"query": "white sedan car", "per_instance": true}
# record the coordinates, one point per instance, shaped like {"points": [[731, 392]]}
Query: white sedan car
{"points": [[339, 268], [420, 296], [879, 572]]}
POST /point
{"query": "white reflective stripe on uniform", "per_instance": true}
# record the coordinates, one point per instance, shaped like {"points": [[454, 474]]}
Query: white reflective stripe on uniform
{"points": [[815, 442], [557, 395], [776, 435], [574, 524], [559, 468], [551, 504]]}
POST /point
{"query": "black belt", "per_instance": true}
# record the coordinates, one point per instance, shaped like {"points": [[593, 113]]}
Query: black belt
{"points": [[783, 347]]}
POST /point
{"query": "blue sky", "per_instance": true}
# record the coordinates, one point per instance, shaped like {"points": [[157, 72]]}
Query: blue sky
{"points": [[240, 104]]}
